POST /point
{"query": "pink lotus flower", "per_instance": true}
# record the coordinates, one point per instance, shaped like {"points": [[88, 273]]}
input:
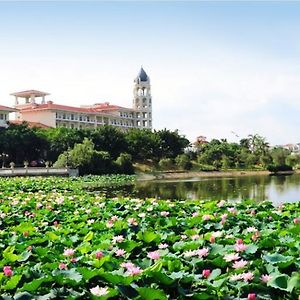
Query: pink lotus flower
{"points": [[127, 265], [239, 241], [240, 247], [251, 296], [251, 229], [202, 252], [232, 210], [120, 252], [154, 255], [255, 236], [8, 271], [195, 237], [206, 217], [97, 291], [206, 273], [118, 239], [190, 253], [265, 278], [73, 260], [99, 254], [163, 246], [221, 203], [69, 252], [109, 224], [296, 220], [164, 213], [195, 214], [142, 215], [29, 248], [62, 266], [212, 239], [183, 237], [231, 257], [248, 276], [132, 221], [134, 270], [236, 277], [114, 218], [239, 264]]}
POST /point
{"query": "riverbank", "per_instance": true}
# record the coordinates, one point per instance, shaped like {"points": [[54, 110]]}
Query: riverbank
{"points": [[192, 174]]}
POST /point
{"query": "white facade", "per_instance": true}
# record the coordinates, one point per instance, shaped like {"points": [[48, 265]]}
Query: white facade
{"points": [[4, 115], [89, 116]]}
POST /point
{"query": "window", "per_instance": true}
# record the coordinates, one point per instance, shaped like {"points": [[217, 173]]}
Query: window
{"points": [[80, 118], [1, 117], [72, 117]]}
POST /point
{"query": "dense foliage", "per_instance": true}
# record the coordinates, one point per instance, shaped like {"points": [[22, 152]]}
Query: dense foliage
{"points": [[108, 147], [70, 244], [250, 153]]}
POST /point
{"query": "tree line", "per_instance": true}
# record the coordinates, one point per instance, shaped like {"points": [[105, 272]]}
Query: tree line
{"points": [[253, 152], [107, 149], [102, 150]]}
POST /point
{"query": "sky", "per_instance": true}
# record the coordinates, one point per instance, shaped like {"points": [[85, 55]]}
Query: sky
{"points": [[217, 69]]}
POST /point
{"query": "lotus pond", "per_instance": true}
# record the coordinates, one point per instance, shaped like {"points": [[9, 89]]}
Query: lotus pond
{"points": [[60, 241]]}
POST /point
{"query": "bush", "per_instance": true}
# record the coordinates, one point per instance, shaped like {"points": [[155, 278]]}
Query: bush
{"points": [[166, 163], [206, 168], [86, 159], [183, 162], [124, 164], [279, 168]]}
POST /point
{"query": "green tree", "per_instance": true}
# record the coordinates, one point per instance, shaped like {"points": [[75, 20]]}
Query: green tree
{"points": [[143, 144], [279, 156], [86, 159], [124, 164], [171, 143], [183, 162]]}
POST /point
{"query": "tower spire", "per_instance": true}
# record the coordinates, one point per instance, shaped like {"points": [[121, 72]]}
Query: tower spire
{"points": [[142, 100]]}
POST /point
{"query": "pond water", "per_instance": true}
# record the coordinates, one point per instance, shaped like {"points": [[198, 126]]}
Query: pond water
{"points": [[277, 189]]}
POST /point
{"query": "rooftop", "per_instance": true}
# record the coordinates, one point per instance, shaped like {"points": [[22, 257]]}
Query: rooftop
{"points": [[29, 93], [6, 108]]}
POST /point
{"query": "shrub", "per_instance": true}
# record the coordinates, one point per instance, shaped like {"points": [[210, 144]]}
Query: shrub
{"points": [[86, 159], [183, 162], [279, 168], [124, 164], [166, 163]]}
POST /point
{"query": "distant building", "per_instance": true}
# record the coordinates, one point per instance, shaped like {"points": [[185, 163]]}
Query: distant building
{"points": [[294, 148], [50, 114], [4, 115]]}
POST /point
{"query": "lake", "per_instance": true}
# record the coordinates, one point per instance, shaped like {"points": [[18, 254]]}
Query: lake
{"points": [[277, 189]]}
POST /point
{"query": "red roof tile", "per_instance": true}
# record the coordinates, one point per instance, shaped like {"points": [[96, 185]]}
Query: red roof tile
{"points": [[6, 108], [30, 124], [91, 109]]}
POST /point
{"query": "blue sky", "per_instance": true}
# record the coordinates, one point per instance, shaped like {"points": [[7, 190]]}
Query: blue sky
{"points": [[215, 67]]}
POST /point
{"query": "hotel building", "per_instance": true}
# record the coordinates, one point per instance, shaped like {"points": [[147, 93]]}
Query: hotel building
{"points": [[4, 115], [32, 107]]}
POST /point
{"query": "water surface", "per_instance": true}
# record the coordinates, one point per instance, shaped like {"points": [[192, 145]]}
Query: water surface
{"points": [[277, 189]]}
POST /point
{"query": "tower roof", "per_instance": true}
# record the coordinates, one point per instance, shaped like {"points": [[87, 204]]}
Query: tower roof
{"points": [[142, 76]]}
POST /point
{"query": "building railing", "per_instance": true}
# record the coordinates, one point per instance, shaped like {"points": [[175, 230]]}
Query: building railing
{"points": [[37, 171]]}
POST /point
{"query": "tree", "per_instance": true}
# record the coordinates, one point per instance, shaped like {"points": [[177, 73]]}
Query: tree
{"points": [[171, 143], [279, 156], [183, 162], [108, 138], [86, 159], [23, 143], [143, 144]]}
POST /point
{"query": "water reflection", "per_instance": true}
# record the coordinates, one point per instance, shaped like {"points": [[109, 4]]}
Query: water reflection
{"points": [[275, 188]]}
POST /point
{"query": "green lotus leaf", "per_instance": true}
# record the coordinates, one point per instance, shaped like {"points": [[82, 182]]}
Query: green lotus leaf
{"points": [[12, 282], [279, 282], [89, 236], [151, 294]]}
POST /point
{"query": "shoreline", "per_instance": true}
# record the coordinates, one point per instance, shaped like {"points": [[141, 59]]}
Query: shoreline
{"points": [[192, 174]]}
